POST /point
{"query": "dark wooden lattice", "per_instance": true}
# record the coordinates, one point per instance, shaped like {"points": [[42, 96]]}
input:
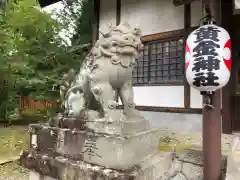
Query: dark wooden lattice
{"points": [[161, 63]]}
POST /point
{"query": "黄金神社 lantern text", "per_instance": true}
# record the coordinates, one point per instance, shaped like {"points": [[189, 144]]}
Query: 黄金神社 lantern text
{"points": [[208, 58]]}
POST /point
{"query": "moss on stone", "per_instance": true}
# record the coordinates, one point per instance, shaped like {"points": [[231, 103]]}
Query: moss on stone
{"points": [[167, 143]]}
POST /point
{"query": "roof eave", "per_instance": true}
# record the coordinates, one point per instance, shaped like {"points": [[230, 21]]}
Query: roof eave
{"points": [[44, 3]]}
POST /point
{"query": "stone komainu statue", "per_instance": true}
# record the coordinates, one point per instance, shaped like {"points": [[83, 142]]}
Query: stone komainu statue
{"points": [[108, 67]]}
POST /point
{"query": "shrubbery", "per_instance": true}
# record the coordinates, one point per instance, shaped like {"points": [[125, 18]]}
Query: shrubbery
{"points": [[33, 55]]}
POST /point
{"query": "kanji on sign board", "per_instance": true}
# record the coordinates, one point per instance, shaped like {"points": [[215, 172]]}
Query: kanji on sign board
{"points": [[208, 58]]}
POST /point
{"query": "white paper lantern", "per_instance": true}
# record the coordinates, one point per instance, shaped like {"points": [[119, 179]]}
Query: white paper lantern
{"points": [[208, 58]]}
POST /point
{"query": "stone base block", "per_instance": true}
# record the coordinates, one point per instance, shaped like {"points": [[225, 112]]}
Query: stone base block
{"points": [[42, 168], [118, 152], [37, 176], [66, 122], [119, 127]]}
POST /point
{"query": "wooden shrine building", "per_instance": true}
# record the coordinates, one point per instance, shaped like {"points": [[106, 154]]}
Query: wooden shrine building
{"points": [[161, 92]]}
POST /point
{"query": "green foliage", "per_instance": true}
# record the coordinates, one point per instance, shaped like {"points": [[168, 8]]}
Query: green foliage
{"points": [[83, 30], [40, 56], [78, 16], [33, 55], [8, 96]]}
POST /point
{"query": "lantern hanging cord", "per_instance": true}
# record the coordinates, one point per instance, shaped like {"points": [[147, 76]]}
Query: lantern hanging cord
{"points": [[207, 99], [208, 18]]}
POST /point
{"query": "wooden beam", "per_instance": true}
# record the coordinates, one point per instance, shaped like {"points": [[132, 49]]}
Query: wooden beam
{"points": [[118, 20], [161, 36], [165, 35], [167, 109], [44, 3], [95, 22], [212, 126], [187, 26], [227, 115], [118, 12], [182, 2]]}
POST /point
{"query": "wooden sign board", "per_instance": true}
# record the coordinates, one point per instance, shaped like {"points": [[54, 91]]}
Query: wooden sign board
{"points": [[182, 2]]}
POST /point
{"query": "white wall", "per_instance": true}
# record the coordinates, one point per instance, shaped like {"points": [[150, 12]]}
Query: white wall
{"points": [[195, 98], [107, 14], [175, 122], [162, 96], [154, 16], [197, 12]]}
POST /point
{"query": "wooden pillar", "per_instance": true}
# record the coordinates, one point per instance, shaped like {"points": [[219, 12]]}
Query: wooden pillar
{"points": [[187, 26], [212, 118], [118, 12], [118, 20], [95, 23], [227, 13]]}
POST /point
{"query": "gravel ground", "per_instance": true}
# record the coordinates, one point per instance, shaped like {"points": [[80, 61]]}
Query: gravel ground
{"points": [[12, 171], [12, 140], [22, 177]]}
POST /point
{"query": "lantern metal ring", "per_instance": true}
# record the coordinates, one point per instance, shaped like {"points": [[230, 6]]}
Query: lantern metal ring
{"points": [[207, 101]]}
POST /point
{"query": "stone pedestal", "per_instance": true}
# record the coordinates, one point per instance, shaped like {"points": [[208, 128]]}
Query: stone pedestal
{"points": [[37, 176], [119, 127], [62, 168], [128, 151]]}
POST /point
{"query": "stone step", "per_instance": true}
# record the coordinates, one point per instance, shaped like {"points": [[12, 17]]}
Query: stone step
{"points": [[52, 168]]}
